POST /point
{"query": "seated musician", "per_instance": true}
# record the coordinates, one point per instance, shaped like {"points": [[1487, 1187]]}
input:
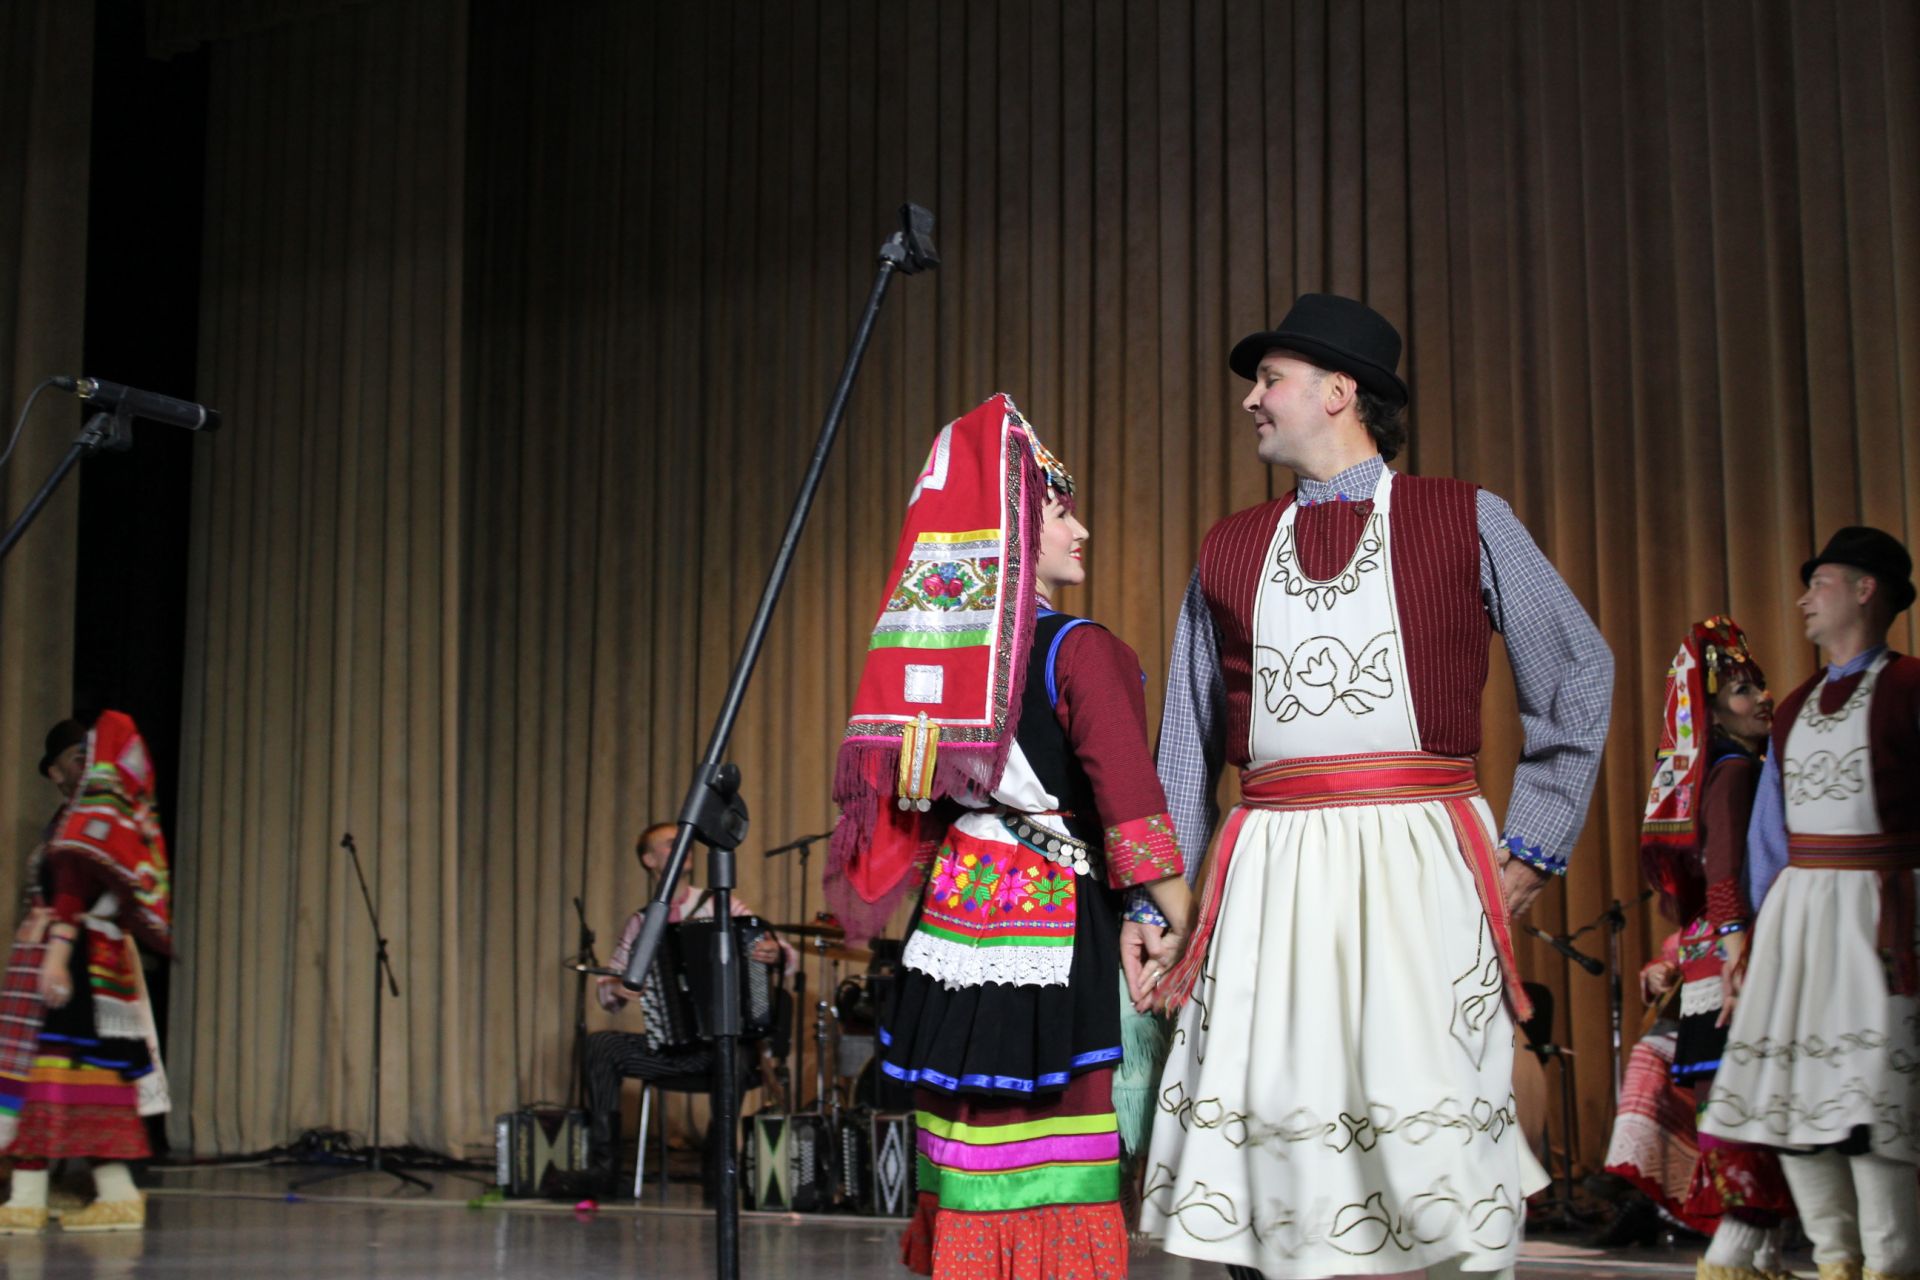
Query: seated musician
{"points": [[616, 1056]]}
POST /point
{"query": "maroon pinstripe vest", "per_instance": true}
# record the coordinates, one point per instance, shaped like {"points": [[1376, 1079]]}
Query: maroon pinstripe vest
{"points": [[1436, 578]]}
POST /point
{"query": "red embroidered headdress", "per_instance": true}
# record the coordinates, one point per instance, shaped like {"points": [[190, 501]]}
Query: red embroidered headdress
{"points": [[113, 823], [1714, 652], [938, 702]]}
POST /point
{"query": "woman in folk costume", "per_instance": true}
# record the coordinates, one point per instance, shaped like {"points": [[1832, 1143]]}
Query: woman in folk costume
{"points": [[78, 1061], [1654, 1146], [997, 762], [1693, 847]]}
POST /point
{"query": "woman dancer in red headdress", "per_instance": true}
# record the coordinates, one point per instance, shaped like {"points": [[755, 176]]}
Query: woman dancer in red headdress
{"points": [[78, 1060], [1693, 847]]}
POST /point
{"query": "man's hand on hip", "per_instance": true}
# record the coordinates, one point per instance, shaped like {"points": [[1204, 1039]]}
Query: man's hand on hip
{"points": [[1520, 884]]}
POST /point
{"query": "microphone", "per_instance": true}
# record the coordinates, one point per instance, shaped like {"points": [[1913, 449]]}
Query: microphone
{"points": [[141, 404], [1568, 950]]}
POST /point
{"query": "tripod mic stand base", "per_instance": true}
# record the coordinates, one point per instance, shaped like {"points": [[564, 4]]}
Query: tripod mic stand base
{"points": [[378, 1160]]}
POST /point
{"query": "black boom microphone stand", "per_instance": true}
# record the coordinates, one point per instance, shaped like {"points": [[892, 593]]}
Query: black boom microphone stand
{"points": [[109, 429], [713, 811]]}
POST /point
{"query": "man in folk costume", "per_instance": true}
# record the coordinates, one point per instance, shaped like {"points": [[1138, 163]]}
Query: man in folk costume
{"points": [[1338, 1099], [996, 761], [1823, 1054], [79, 1064], [1693, 849]]}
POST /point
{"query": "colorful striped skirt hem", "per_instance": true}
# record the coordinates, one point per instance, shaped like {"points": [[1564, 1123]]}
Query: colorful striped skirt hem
{"points": [[1031, 1185], [74, 1109]]}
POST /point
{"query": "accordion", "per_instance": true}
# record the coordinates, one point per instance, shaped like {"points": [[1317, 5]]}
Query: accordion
{"points": [[878, 1163], [676, 996], [540, 1151], [787, 1162]]}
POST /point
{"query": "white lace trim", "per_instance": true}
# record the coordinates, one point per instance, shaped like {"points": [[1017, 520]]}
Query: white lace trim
{"points": [[1702, 995], [118, 1019], [955, 965], [155, 1099]]}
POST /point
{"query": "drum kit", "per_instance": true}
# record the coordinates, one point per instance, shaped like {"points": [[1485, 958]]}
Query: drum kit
{"points": [[850, 1147], [846, 1027]]}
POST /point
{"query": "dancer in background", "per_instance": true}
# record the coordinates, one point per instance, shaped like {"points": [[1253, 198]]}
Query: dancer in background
{"points": [[1654, 1147], [1714, 726], [79, 1064], [1027, 729], [1823, 1055]]}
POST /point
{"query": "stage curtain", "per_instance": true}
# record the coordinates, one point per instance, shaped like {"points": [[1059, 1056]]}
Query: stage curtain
{"points": [[175, 26], [46, 111], [1654, 264], [322, 670]]}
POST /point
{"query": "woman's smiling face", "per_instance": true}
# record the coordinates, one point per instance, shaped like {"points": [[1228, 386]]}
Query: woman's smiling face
{"points": [[1060, 563]]}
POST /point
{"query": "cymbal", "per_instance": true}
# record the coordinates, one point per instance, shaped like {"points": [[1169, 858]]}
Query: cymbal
{"points": [[810, 930]]}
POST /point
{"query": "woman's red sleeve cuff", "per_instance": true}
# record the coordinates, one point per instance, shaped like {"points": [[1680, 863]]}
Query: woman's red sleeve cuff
{"points": [[1142, 851]]}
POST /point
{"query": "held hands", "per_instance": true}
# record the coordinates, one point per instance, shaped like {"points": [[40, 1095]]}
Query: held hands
{"points": [[1141, 950], [1147, 953]]}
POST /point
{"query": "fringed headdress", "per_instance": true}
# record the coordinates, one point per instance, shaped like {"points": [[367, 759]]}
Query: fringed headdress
{"points": [[114, 823], [938, 702], [1713, 654]]}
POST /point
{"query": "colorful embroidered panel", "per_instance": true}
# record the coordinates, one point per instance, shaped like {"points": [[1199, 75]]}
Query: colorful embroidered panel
{"points": [[995, 911], [947, 594]]}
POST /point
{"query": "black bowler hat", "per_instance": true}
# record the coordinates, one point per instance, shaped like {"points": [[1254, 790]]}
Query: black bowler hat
{"points": [[68, 733], [1873, 551], [1335, 333]]}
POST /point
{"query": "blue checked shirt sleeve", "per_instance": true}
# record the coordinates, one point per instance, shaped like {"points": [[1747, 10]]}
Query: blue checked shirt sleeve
{"points": [[1192, 738], [1766, 837], [1563, 678]]}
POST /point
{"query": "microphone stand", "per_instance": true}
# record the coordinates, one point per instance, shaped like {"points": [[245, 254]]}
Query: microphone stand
{"points": [[1562, 1212], [373, 1160], [103, 433], [585, 956], [804, 847], [1614, 917], [714, 811]]}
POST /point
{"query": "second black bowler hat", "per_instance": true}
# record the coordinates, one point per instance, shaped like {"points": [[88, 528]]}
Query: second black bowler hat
{"points": [[68, 733], [1873, 551], [1335, 333]]}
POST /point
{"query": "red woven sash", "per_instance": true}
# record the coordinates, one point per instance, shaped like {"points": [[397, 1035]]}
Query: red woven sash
{"points": [[1894, 859], [1320, 782]]}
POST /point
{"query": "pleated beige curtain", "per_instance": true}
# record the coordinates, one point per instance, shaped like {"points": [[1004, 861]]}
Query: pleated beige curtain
{"points": [[1654, 263], [175, 26], [46, 110], [322, 670]]}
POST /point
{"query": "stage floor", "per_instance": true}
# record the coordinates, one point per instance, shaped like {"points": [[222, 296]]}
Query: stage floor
{"points": [[211, 1225]]}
